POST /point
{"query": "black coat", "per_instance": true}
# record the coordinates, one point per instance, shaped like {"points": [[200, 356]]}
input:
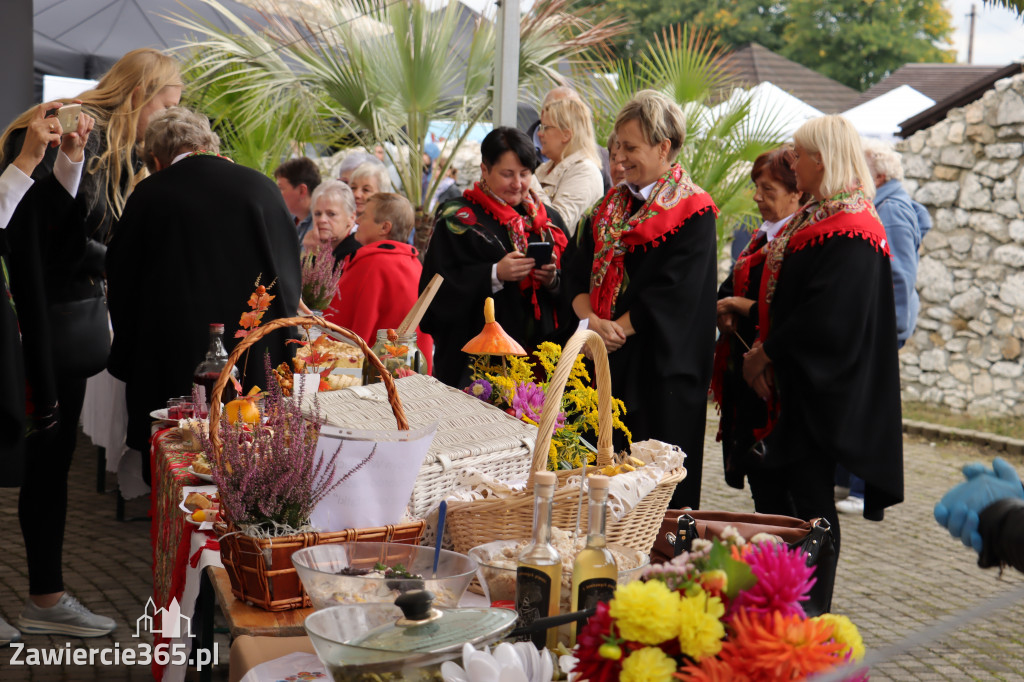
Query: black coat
{"points": [[832, 342], [187, 251], [464, 253], [662, 373]]}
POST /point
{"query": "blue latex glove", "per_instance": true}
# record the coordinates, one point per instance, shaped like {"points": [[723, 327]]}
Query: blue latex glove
{"points": [[959, 508]]}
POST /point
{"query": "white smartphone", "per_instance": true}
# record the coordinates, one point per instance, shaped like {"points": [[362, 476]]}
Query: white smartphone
{"points": [[68, 115]]}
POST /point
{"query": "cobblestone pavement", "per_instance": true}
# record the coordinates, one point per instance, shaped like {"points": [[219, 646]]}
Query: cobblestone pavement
{"points": [[895, 577]]}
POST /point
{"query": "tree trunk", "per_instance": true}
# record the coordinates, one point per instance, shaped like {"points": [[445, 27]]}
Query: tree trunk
{"points": [[424, 225]]}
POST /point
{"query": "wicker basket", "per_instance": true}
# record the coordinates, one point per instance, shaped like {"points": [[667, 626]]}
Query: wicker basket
{"points": [[261, 570], [472, 523], [471, 434]]}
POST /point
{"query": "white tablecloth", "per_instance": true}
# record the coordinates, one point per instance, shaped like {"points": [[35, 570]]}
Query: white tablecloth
{"points": [[105, 422]]}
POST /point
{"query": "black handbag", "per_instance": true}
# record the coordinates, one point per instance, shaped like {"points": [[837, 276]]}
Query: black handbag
{"points": [[681, 527], [80, 336]]}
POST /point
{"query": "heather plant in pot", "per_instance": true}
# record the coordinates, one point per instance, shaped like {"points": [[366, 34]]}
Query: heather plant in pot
{"points": [[269, 475]]}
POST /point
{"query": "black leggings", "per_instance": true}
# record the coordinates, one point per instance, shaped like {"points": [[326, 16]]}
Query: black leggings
{"points": [[43, 504]]}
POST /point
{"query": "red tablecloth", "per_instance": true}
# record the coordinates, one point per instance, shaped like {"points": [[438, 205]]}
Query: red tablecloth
{"points": [[171, 534]]}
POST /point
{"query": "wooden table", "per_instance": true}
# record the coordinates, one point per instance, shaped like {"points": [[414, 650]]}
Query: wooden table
{"points": [[242, 619], [249, 620]]}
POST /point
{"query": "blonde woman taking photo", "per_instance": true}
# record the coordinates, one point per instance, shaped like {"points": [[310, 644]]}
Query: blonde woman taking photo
{"points": [[56, 268], [571, 178]]}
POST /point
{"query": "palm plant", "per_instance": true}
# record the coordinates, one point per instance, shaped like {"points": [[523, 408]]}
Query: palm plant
{"points": [[721, 140], [310, 68]]}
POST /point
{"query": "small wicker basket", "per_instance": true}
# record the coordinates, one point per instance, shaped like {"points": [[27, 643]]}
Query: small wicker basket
{"points": [[260, 569], [476, 522]]}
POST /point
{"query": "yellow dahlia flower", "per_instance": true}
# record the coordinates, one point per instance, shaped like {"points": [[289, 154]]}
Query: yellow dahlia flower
{"points": [[700, 625], [647, 613], [649, 664], [846, 633]]}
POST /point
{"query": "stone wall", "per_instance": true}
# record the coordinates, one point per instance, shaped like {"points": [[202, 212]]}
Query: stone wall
{"points": [[966, 351]]}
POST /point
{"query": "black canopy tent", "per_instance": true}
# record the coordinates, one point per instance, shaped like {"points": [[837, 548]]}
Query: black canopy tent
{"points": [[83, 38]]}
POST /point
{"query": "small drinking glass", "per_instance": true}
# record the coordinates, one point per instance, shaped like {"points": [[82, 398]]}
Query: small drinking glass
{"points": [[186, 408], [174, 408]]}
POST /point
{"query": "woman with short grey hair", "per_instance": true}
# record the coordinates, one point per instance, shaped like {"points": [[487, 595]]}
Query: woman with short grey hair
{"points": [[653, 307], [334, 211], [175, 131], [367, 180]]}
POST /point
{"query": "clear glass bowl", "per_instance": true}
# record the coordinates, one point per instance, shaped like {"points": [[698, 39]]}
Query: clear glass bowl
{"points": [[340, 635], [497, 571], [320, 569]]}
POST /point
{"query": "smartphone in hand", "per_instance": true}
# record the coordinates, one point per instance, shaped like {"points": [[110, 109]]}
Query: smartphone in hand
{"points": [[67, 116], [540, 252]]}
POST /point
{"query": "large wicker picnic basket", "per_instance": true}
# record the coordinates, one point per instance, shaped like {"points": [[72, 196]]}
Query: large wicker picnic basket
{"points": [[260, 569], [471, 523]]}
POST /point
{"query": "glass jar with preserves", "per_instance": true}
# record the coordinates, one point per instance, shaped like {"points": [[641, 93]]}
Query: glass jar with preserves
{"points": [[399, 354]]}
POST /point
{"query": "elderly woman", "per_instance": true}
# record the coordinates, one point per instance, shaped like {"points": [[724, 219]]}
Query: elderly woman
{"points": [[234, 228], [571, 178], [333, 210], [481, 245], [654, 307], [777, 198], [825, 357], [367, 180]]}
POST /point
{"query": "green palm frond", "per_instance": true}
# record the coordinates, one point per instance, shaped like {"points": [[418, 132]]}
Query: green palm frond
{"points": [[374, 71]]}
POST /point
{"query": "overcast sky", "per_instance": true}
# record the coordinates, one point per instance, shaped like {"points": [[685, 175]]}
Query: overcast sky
{"points": [[998, 33]]}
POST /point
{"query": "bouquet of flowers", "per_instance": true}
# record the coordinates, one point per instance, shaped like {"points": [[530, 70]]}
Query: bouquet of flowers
{"points": [[320, 277], [728, 610], [512, 385]]}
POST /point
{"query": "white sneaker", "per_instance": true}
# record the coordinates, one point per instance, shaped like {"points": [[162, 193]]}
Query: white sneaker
{"points": [[851, 505], [66, 617], [8, 633]]}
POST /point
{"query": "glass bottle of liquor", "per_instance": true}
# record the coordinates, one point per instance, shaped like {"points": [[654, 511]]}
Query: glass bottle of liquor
{"points": [[539, 570], [206, 374], [594, 572]]}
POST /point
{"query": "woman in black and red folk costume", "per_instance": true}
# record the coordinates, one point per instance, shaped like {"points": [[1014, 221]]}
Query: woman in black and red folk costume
{"points": [[825, 357], [644, 279]]}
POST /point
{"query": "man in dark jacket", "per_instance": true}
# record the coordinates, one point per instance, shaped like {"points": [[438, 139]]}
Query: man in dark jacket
{"points": [[192, 242]]}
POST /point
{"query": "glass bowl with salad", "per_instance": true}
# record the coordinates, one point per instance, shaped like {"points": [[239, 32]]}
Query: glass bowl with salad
{"points": [[360, 572]]}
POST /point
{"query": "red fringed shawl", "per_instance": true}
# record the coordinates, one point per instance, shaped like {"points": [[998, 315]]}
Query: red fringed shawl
{"points": [[673, 200], [847, 214], [519, 230]]}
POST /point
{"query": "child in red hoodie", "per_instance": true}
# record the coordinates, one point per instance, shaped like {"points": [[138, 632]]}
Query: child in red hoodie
{"points": [[379, 283]]}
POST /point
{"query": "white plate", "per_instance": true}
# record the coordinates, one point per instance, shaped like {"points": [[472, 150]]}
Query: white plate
{"points": [[202, 477], [161, 415]]}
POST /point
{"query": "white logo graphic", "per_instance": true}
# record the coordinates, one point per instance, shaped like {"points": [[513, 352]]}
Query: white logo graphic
{"points": [[173, 624]]}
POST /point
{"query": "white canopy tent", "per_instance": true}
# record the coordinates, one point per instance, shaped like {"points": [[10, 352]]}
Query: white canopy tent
{"points": [[881, 116], [770, 106]]}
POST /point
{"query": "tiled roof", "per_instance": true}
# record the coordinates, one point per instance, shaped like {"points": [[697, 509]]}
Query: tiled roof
{"points": [[754, 63], [960, 98], [938, 81]]}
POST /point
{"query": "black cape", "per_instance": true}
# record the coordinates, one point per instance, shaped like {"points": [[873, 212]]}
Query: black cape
{"points": [[463, 251], [662, 373], [832, 342], [187, 251], [741, 410]]}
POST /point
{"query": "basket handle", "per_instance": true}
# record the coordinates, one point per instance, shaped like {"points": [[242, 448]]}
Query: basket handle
{"points": [[307, 322], [553, 400]]}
